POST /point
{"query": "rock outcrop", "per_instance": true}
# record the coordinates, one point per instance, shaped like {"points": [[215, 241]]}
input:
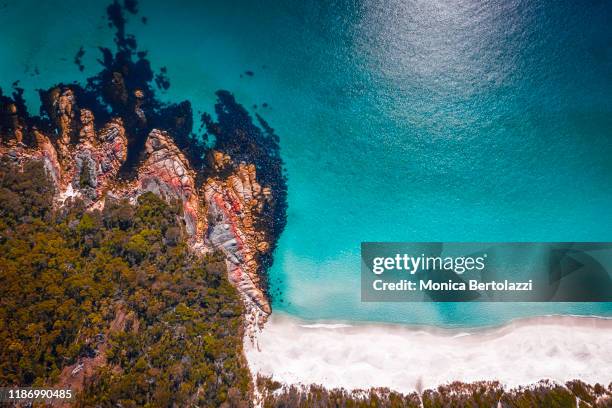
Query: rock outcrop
{"points": [[167, 173], [233, 206], [113, 138], [221, 213]]}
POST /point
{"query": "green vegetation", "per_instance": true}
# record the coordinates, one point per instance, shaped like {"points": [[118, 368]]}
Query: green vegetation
{"points": [[117, 293], [118, 284], [483, 394]]}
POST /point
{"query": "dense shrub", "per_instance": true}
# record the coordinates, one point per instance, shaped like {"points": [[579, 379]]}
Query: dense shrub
{"points": [[66, 274]]}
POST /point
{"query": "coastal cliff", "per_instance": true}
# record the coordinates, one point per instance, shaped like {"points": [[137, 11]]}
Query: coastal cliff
{"points": [[113, 139]]}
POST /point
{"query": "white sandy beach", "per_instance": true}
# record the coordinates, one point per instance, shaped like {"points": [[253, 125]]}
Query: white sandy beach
{"points": [[406, 359]]}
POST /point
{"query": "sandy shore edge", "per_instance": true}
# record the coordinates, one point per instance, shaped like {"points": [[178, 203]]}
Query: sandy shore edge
{"points": [[412, 358]]}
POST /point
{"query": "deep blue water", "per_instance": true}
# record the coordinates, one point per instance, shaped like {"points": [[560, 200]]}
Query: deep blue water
{"points": [[399, 121]]}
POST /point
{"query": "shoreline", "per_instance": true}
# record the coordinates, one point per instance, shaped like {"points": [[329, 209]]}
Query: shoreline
{"points": [[404, 358], [442, 328]]}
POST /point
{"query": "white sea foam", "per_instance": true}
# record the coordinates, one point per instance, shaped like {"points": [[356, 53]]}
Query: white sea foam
{"points": [[406, 359]]}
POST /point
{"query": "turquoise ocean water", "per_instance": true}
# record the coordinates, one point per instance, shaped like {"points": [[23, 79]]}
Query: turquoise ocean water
{"points": [[399, 121]]}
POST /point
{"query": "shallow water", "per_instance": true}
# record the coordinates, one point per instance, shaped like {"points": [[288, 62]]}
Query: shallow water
{"points": [[399, 121]]}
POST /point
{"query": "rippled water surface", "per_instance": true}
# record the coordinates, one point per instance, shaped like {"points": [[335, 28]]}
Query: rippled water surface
{"points": [[399, 121]]}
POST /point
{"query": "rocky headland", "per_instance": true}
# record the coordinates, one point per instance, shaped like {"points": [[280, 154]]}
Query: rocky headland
{"points": [[112, 139]]}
